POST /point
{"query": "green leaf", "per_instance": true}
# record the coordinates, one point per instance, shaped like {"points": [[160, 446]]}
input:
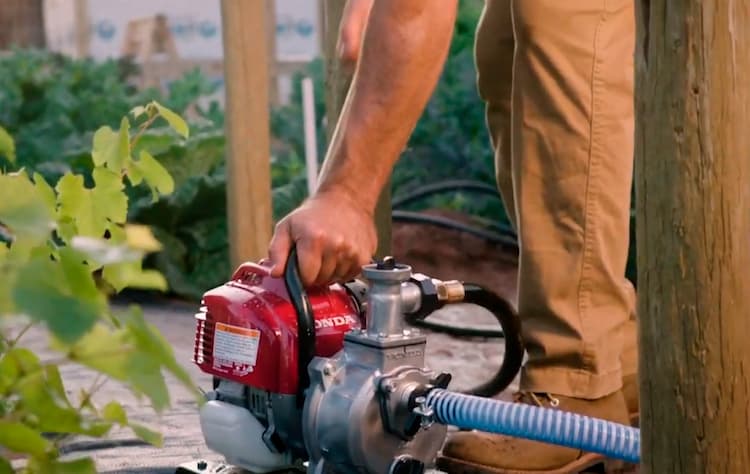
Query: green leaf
{"points": [[104, 350], [150, 341], [5, 466], [112, 148], [19, 438], [147, 435], [45, 192], [76, 466], [52, 412], [101, 252], [93, 210], [116, 353], [114, 412], [142, 238], [23, 208], [7, 145], [47, 291], [131, 275], [155, 175], [177, 123]]}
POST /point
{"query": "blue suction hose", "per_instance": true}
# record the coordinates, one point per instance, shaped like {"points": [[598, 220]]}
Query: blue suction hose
{"points": [[547, 425]]}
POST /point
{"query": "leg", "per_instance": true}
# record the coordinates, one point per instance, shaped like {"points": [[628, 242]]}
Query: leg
{"points": [[572, 165], [566, 181]]}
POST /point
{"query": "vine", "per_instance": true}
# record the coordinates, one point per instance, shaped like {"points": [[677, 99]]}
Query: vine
{"points": [[64, 250]]}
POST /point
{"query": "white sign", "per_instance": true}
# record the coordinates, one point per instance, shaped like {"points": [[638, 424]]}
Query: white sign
{"points": [[194, 24]]}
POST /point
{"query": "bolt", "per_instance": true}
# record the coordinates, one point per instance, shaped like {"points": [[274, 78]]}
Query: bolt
{"points": [[327, 369], [389, 387], [382, 335]]}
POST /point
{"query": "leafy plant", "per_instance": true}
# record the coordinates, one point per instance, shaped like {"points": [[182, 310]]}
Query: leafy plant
{"points": [[66, 247]]}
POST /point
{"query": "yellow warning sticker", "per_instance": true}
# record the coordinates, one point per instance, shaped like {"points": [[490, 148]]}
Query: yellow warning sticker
{"points": [[235, 345]]}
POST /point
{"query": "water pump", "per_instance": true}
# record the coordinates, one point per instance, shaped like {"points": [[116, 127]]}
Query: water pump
{"points": [[330, 380]]}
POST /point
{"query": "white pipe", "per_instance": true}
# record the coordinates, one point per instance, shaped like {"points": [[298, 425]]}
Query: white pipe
{"points": [[311, 142]]}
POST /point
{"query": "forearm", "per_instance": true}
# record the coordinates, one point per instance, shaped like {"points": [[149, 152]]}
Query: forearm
{"points": [[403, 52]]}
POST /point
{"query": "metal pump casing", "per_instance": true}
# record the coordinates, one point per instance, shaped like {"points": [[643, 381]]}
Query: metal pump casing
{"points": [[358, 414]]}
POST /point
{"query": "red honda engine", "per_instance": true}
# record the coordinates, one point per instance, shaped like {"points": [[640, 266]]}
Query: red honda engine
{"points": [[247, 329]]}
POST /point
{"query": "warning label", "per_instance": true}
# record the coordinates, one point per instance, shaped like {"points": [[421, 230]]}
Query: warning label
{"points": [[234, 345]]}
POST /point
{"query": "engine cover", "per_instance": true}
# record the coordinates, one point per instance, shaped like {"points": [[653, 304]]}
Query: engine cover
{"points": [[246, 330]]}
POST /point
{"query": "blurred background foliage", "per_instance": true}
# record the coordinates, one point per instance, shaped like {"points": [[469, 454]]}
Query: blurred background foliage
{"points": [[52, 105]]}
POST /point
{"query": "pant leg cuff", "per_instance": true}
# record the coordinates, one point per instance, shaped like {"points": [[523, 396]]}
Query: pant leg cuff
{"points": [[570, 382]]}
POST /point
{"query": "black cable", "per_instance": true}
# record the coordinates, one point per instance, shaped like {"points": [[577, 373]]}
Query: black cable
{"points": [[305, 323], [514, 345]]}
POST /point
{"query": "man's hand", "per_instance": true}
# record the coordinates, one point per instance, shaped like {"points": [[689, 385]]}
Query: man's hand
{"points": [[334, 236]]}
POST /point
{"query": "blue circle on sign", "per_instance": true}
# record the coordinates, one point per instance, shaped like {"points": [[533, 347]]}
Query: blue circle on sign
{"points": [[207, 29], [304, 28], [105, 29]]}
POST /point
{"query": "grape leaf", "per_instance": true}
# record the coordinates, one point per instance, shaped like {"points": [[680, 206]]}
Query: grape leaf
{"points": [[5, 466], [155, 175], [75, 466], [45, 192], [7, 145], [93, 210], [110, 148], [23, 208], [132, 275], [147, 435], [142, 238], [114, 412], [175, 121], [19, 438], [45, 291]]}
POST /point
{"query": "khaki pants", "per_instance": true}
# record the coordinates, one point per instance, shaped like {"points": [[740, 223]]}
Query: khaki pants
{"points": [[557, 78]]}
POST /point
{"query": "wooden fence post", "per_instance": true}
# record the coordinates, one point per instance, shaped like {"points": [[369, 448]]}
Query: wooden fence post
{"points": [[337, 87], [244, 25], [693, 234]]}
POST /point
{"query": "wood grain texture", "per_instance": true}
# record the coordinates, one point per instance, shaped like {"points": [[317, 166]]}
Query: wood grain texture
{"points": [[247, 129], [693, 233]]}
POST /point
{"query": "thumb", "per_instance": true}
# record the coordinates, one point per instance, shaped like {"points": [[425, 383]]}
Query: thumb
{"points": [[279, 248]]}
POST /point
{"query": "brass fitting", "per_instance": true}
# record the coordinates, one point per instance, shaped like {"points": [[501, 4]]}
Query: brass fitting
{"points": [[451, 291]]}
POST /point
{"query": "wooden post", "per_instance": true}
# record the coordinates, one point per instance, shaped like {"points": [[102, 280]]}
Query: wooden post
{"points": [[693, 234], [337, 87], [248, 134]]}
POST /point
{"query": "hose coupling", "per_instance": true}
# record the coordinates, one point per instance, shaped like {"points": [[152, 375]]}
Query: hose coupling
{"points": [[451, 291]]}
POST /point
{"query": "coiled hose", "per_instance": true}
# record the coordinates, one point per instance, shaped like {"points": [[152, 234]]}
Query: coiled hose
{"points": [[511, 329], [519, 420]]}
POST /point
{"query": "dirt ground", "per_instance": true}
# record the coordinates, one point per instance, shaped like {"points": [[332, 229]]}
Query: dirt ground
{"points": [[439, 253]]}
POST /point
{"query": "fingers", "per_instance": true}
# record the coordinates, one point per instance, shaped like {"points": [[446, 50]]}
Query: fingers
{"points": [[279, 248], [309, 255]]}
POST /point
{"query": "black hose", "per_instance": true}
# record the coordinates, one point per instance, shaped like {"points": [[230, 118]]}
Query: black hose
{"points": [[514, 346], [444, 186], [305, 323], [416, 217], [459, 331]]}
